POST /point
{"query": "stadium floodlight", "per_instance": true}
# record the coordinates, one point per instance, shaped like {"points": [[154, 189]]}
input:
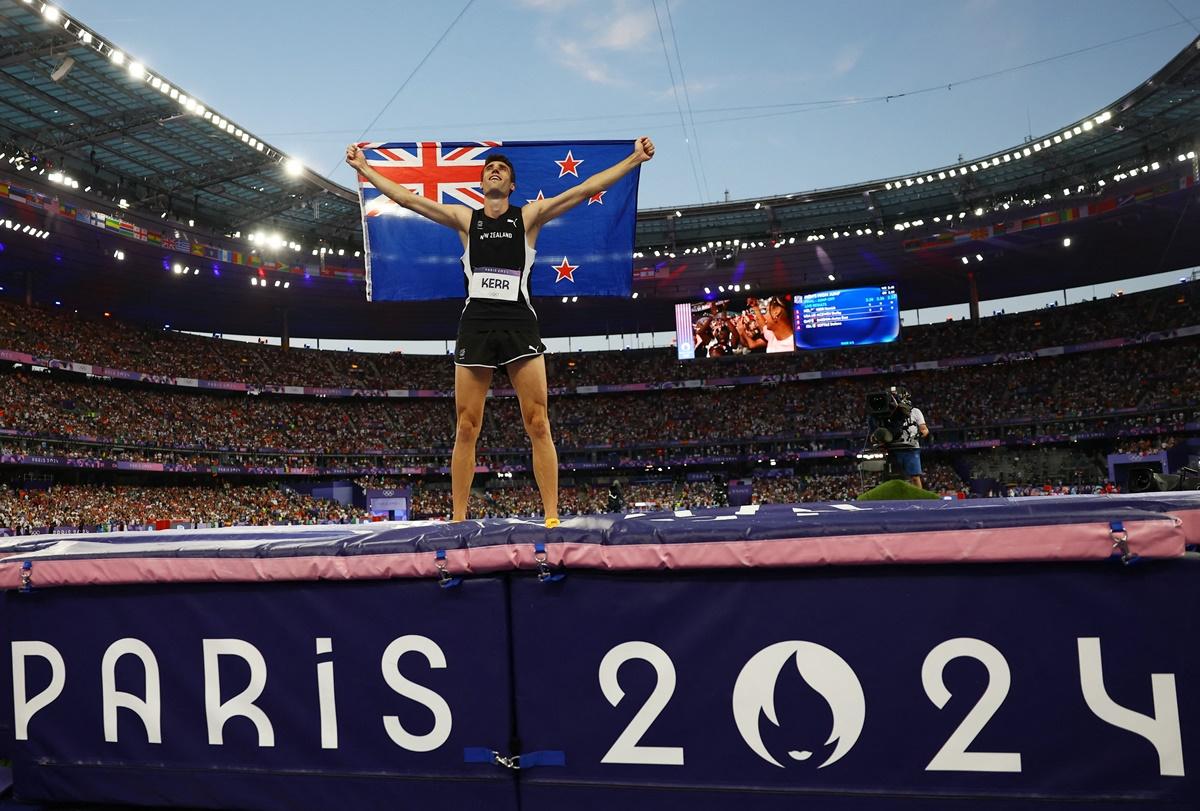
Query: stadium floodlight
{"points": [[1087, 126], [920, 180], [979, 212], [965, 260], [117, 57], [1066, 242], [564, 301], [757, 206], [286, 285], [720, 288], [678, 213], [254, 281], [85, 37], [832, 278], [277, 283], [1191, 155], [1154, 166], [1077, 130], [634, 294], [978, 257], [137, 70], [50, 13], [574, 299], [707, 291], [177, 268], [1007, 157]]}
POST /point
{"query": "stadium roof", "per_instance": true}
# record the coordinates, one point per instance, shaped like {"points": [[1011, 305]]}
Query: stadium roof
{"points": [[178, 183], [73, 98]]}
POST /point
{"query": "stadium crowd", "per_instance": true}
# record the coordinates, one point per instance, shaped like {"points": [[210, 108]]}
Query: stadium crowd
{"points": [[1142, 378], [1148, 391], [107, 342], [113, 507]]}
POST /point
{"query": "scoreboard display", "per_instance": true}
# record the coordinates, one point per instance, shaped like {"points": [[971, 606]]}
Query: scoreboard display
{"points": [[852, 317]]}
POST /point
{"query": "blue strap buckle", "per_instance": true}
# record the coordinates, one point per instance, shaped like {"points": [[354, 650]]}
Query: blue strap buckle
{"points": [[529, 760], [545, 573], [1120, 543], [445, 579]]}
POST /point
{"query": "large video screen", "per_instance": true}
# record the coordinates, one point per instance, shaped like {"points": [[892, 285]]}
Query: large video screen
{"points": [[852, 317], [742, 326]]}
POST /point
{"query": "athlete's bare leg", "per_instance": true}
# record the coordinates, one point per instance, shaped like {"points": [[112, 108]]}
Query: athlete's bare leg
{"points": [[528, 377], [471, 384]]}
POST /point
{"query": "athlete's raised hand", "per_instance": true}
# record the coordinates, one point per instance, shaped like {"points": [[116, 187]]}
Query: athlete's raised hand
{"points": [[643, 149], [355, 158]]}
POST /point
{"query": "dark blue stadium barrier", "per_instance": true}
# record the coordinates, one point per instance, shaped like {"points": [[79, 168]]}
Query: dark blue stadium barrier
{"points": [[291, 765], [851, 662]]}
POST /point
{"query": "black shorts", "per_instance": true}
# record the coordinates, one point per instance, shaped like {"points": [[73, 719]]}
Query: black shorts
{"points": [[494, 348]]}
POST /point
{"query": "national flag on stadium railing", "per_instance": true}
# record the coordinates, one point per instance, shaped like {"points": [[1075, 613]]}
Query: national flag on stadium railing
{"points": [[586, 252]]}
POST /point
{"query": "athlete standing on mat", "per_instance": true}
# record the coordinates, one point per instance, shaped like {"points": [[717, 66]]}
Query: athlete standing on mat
{"points": [[498, 326]]}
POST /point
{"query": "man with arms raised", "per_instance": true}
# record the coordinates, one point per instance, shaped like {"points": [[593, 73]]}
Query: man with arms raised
{"points": [[498, 326]]}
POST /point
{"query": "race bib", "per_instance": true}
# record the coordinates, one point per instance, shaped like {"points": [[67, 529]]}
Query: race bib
{"points": [[502, 284]]}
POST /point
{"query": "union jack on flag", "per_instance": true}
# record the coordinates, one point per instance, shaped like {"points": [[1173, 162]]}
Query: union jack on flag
{"points": [[588, 251], [444, 174]]}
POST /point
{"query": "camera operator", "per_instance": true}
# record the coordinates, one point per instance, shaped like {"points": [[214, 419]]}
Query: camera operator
{"points": [[897, 426], [616, 498]]}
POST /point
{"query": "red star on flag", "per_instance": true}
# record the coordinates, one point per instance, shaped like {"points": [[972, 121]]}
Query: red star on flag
{"points": [[567, 165], [598, 197], [565, 271], [539, 197]]}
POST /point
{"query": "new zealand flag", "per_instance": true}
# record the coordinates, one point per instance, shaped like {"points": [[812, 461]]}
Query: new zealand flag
{"points": [[588, 251]]}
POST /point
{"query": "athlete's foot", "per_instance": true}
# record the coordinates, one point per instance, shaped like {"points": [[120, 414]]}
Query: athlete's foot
{"points": [[551, 523]]}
